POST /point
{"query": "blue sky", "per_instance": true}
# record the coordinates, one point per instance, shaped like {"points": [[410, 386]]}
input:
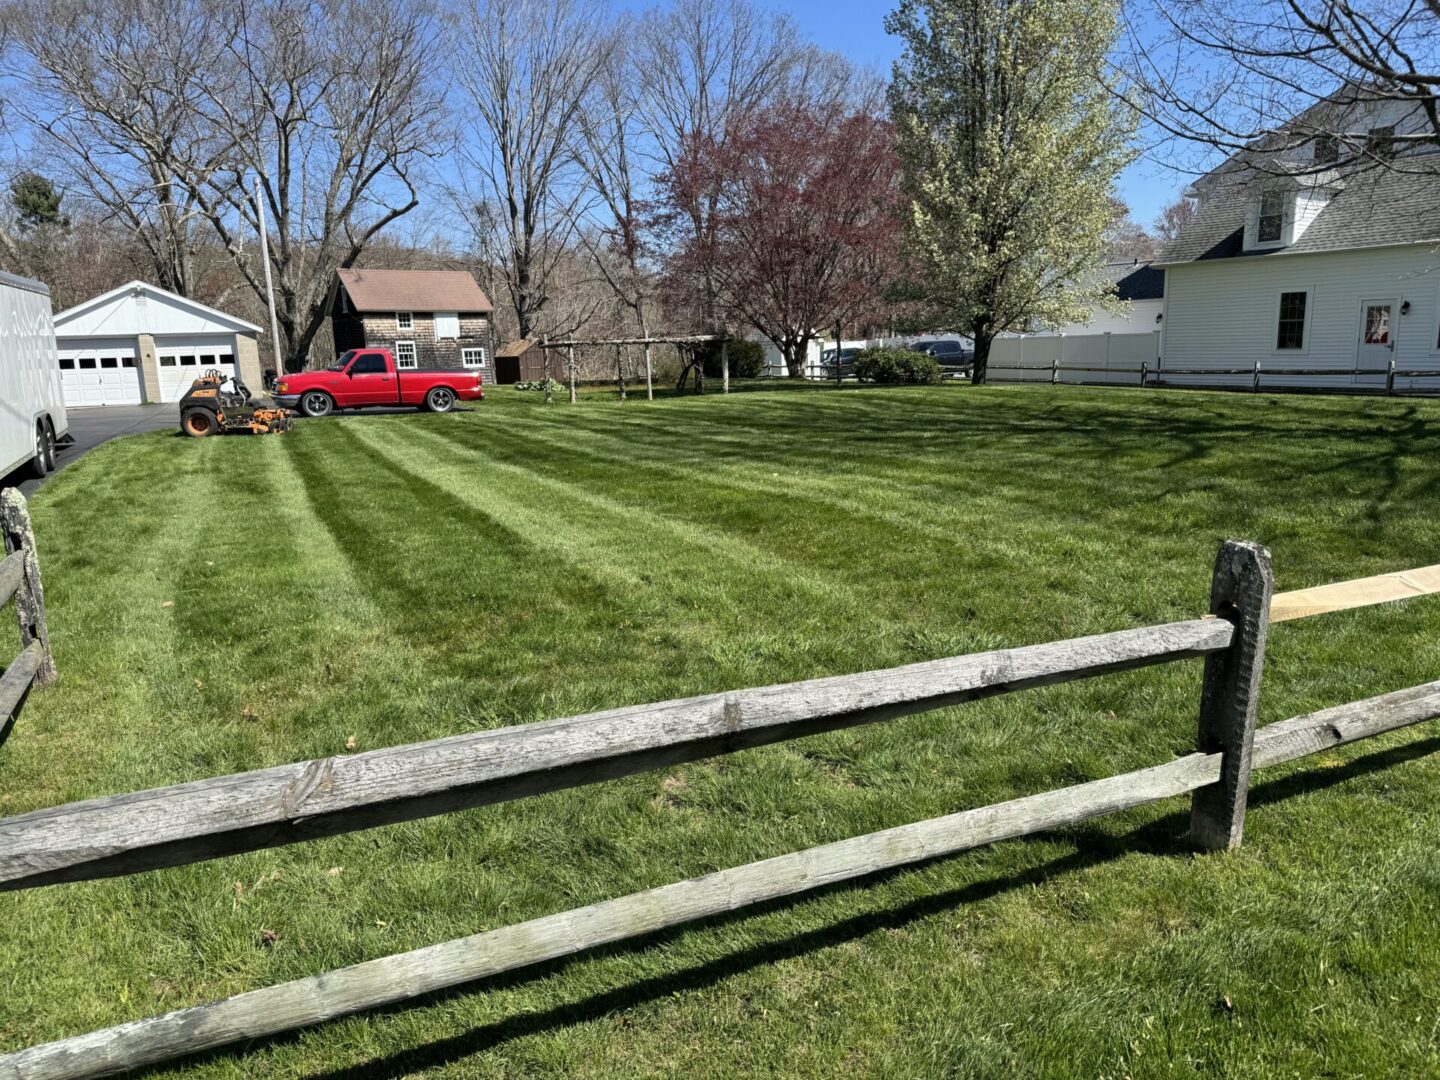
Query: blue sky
{"points": [[855, 28]]}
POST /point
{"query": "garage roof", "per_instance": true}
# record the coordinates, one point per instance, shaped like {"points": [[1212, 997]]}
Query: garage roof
{"points": [[413, 290], [141, 308]]}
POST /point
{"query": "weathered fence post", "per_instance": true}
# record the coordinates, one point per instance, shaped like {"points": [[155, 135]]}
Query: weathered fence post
{"points": [[570, 364], [649, 375], [1390, 374], [1256, 385], [725, 367], [30, 596], [1055, 364], [1144, 371], [1240, 593]]}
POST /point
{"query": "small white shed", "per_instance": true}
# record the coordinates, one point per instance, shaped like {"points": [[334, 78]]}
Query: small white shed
{"points": [[139, 343]]}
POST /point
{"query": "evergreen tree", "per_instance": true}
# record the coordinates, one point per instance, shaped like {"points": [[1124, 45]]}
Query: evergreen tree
{"points": [[36, 203]]}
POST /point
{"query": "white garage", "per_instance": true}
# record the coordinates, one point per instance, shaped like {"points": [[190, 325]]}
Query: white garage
{"points": [[139, 343]]}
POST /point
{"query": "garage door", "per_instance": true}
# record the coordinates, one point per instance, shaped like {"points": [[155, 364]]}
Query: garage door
{"points": [[100, 375], [182, 362]]}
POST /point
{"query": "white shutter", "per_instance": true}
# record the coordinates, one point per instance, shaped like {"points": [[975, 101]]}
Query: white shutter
{"points": [[447, 325]]}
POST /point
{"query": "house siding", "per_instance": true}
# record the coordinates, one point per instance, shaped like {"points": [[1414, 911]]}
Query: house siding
{"points": [[1222, 314], [379, 330]]}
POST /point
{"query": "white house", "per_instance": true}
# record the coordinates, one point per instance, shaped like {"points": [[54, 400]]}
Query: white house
{"points": [[139, 343], [1318, 254]]}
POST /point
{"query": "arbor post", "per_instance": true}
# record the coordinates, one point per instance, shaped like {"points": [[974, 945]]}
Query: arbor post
{"points": [[30, 595], [1239, 593], [570, 363], [649, 378]]}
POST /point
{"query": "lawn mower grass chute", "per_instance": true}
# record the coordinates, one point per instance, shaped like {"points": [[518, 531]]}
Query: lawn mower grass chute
{"points": [[216, 405]]}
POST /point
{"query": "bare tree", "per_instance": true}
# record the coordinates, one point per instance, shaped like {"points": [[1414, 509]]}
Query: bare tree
{"points": [[529, 67], [330, 107], [608, 152], [109, 89], [1278, 75], [1173, 218], [169, 112]]}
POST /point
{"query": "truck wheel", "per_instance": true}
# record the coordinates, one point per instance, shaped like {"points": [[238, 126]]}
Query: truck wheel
{"points": [[317, 403], [440, 399], [198, 423], [38, 464]]}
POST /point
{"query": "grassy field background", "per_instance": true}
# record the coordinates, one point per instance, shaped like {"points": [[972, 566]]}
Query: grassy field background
{"points": [[235, 603]]}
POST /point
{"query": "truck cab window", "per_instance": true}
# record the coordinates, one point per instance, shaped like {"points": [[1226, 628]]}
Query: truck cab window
{"points": [[368, 364]]}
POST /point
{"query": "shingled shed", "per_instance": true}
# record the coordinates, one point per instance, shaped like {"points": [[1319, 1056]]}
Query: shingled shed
{"points": [[525, 361], [428, 318]]}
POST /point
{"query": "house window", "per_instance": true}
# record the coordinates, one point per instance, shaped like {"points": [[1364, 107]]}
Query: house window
{"points": [[1327, 149], [447, 325], [1291, 331], [1270, 225], [404, 320], [1380, 142], [472, 358], [405, 354]]}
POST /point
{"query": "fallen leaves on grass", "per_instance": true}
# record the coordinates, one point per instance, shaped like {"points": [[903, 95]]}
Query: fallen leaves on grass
{"points": [[350, 743]]}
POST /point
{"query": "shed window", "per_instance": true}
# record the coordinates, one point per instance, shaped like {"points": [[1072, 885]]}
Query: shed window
{"points": [[1271, 223], [472, 358], [405, 354], [405, 320], [1291, 331]]}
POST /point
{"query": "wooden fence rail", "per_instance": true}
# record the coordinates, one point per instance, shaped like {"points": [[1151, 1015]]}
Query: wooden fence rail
{"points": [[20, 583], [1156, 375], [111, 836]]}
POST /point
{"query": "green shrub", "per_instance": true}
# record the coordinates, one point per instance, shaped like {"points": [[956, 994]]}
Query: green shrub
{"points": [[896, 366], [539, 384], [747, 359]]}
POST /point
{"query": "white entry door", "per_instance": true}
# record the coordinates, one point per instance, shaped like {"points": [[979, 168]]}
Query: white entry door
{"points": [[1377, 341], [180, 363], [102, 374]]}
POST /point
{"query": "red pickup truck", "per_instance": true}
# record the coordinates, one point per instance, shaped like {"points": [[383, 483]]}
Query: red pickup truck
{"points": [[364, 377]]}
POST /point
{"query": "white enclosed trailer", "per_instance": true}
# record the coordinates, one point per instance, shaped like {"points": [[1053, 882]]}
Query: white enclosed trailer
{"points": [[32, 403]]}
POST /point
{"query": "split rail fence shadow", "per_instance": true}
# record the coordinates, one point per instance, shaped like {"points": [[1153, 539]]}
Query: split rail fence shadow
{"points": [[20, 583], [1134, 360], [140, 831]]}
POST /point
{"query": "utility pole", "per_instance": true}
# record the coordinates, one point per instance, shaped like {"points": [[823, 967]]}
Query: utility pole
{"points": [[269, 286]]}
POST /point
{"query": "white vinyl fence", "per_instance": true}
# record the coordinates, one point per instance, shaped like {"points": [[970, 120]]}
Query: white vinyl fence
{"points": [[1106, 359]]}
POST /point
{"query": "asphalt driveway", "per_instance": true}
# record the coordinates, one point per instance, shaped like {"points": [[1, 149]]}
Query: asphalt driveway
{"points": [[93, 426]]}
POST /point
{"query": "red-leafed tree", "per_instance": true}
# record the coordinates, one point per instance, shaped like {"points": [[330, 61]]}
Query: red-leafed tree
{"points": [[805, 229]]}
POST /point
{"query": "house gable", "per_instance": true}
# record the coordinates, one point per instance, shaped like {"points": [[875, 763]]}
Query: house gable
{"points": [[138, 308]]}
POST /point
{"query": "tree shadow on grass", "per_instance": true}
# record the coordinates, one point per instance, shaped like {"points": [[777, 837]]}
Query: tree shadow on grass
{"points": [[1162, 837]]}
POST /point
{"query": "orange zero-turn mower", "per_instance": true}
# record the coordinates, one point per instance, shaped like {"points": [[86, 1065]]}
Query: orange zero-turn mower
{"points": [[214, 405]]}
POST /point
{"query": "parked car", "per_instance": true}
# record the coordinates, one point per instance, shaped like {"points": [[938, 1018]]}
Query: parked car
{"points": [[364, 377], [847, 362], [953, 356], [33, 418]]}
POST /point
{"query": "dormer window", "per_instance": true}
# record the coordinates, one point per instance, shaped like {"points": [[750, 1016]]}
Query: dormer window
{"points": [[1327, 149], [1380, 142], [1270, 224]]}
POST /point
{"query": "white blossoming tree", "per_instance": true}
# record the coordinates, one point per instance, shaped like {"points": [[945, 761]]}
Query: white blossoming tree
{"points": [[1011, 144]]}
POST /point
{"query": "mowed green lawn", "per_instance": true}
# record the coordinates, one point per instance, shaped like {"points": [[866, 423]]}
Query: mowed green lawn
{"points": [[365, 581]]}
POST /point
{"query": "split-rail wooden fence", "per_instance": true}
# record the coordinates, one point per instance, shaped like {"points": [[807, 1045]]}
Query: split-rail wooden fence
{"points": [[20, 583], [139, 831]]}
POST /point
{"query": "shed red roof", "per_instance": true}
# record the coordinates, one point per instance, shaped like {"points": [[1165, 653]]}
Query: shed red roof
{"points": [[413, 290]]}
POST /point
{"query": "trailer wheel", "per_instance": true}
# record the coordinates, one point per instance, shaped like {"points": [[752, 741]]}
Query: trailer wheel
{"points": [[50, 447], [198, 423], [317, 403], [38, 464], [440, 399]]}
